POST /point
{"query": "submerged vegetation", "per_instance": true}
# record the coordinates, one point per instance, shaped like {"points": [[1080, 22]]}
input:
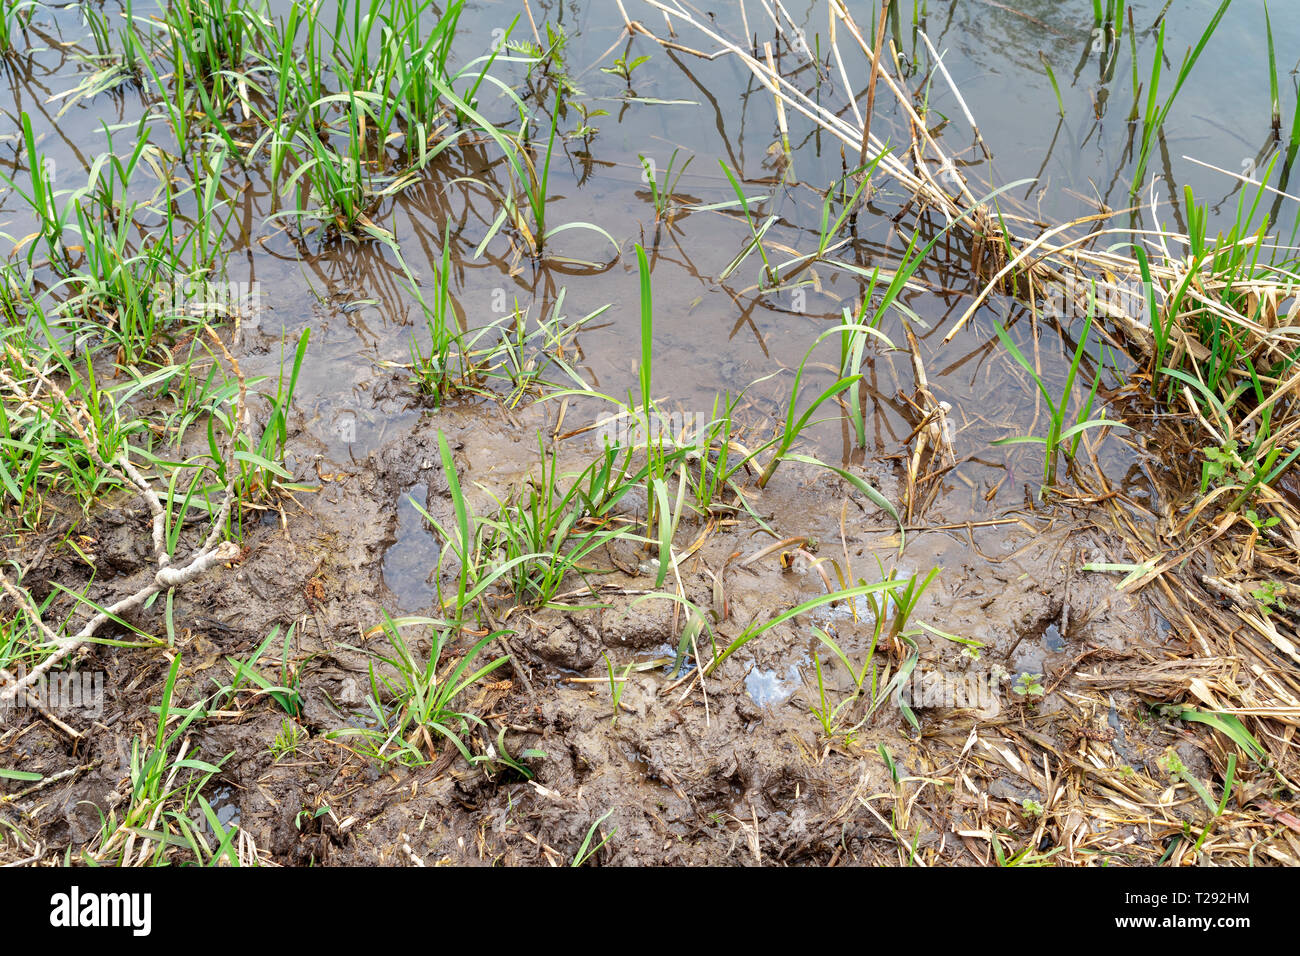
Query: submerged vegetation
{"points": [[386, 139]]}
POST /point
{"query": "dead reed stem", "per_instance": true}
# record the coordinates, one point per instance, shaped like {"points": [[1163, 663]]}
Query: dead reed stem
{"points": [[1203, 562]]}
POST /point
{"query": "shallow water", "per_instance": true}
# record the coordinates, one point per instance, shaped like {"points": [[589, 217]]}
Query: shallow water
{"points": [[407, 563], [713, 336]]}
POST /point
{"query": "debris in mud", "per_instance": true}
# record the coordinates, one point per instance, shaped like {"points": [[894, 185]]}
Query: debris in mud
{"points": [[534, 501]]}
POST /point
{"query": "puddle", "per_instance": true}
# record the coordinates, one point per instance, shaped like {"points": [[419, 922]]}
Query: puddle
{"points": [[412, 557], [767, 688], [1053, 642], [225, 806]]}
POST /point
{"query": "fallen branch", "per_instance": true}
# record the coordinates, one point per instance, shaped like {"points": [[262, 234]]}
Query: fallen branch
{"points": [[212, 552]]}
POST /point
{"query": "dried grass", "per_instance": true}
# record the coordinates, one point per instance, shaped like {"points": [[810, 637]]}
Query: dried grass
{"points": [[1241, 659]]}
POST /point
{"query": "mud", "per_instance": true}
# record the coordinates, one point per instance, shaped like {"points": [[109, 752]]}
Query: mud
{"points": [[737, 772]]}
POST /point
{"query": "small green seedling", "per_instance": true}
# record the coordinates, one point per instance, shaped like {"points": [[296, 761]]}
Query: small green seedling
{"points": [[1269, 595], [287, 739], [584, 854], [1222, 463], [616, 686], [1173, 765], [1261, 524], [1029, 685], [310, 815], [623, 68]]}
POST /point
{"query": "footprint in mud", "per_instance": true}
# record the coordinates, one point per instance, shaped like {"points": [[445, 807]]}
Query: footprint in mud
{"points": [[412, 555]]}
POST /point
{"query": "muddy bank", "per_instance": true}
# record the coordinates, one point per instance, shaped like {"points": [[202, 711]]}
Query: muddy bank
{"points": [[1026, 708], [738, 771]]}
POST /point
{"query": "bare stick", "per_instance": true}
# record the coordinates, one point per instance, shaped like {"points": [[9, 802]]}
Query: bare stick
{"points": [[213, 551]]}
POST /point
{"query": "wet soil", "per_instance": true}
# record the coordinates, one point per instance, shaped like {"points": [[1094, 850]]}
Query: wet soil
{"points": [[735, 772]]}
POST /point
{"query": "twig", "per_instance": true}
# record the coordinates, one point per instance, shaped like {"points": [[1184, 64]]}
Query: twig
{"points": [[212, 552], [42, 784]]}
